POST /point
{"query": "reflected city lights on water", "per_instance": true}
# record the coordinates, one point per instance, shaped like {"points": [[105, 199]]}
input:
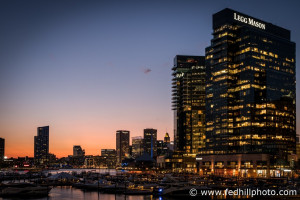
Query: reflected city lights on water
{"points": [[68, 193]]}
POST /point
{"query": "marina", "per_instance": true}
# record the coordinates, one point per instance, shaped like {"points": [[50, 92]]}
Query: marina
{"points": [[114, 184]]}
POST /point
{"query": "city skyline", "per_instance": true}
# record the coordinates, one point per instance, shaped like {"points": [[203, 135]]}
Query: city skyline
{"points": [[57, 71]]}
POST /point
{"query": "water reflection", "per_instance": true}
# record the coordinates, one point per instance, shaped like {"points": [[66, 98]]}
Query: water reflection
{"points": [[78, 171], [68, 193]]}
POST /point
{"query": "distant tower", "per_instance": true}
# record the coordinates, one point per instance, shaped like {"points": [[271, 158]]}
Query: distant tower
{"points": [[122, 145], [137, 146], [160, 147], [78, 151], [109, 156], [2, 145], [41, 145], [150, 141], [167, 139]]}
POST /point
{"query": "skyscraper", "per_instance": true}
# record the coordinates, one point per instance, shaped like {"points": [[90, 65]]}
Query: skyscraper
{"points": [[137, 146], [150, 141], [78, 151], [122, 145], [167, 139], [2, 148], [250, 87], [189, 103], [41, 145]]}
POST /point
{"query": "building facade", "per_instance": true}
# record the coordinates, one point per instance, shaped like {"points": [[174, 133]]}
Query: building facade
{"points": [[41, 145], [122, 145], [188, 100], [150, 142]]}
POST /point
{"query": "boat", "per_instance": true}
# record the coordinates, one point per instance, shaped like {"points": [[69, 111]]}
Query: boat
{"points": [[178, 191], [20, 185], [117, 188], [138, 190], [31, 191], [114, 189], [92, 185]]}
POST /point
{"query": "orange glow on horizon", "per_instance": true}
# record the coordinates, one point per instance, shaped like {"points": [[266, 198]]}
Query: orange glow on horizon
{"points": [[62, 141]]}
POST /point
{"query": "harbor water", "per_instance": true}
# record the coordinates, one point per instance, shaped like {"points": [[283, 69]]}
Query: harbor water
{"points": [[69, 193]]}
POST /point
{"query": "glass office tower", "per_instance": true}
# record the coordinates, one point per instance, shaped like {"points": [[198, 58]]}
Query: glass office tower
{"points": [[250, 88], [188, 89]]}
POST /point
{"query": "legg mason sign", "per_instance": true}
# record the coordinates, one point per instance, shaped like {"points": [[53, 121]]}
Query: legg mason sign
{"points": [[248, 20]]}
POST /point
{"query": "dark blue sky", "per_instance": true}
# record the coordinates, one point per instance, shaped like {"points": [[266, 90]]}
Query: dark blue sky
{"points": [[88, 68]]}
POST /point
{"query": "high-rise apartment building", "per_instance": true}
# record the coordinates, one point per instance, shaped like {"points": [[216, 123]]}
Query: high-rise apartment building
{"points": [[41, 145], [188, 89], [122, 145], [150, 142]]}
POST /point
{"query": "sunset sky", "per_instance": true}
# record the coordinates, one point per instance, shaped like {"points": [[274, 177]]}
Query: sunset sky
{"points": [[89, 68]]}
